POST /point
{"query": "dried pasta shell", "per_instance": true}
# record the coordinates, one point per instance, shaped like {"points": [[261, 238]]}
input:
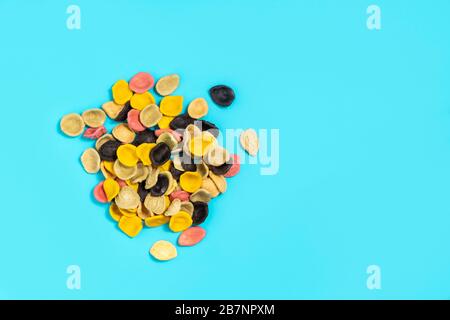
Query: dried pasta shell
{"points": [[105, 172], [128, 213], [141, 173], [121, 92], [141, 82], [198, 146], [176, 161], [208, 185], [187, 206], [112, 109], [152, 177], [150, 115], [165, 166], [94, 118], [104, 138], [131, 226], [203, 170], [111, 188], [164, 122], [167, 85], [193, 131], [156, 205], [90, 159], [140, 100], [201, 195], [190, 181], [219, 181], [171, 105], [163, 250], [127, 198], [173, 208], [180, 221], [198, 108], [123, 114], [172, 184], [156, 221], [249, 141], [94, 133], [114, 212], [143, 212], [166, 202], [133, 121], [107, 168], [168, 139], [143, 152], [72, 124], [127, 156], [217, 156], [179, 194], [172, 187], [123, 172], [134, 186], [123, 133]]}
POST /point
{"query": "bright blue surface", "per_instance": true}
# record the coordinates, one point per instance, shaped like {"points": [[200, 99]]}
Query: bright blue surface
{"points": [[364, 119]]}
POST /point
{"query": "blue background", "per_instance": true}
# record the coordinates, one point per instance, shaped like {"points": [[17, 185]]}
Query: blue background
{"points": [[364, 119]]}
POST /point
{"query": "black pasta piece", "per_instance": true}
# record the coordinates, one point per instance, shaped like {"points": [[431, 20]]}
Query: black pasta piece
{"points": [[181, 122], [161, 186], [146, 136], [208, 126], [222, 169], [222, 95], [108, 150], [123, 114], [187, 163], [142, 192], [200, 212], [176, 174], [160, 154]]}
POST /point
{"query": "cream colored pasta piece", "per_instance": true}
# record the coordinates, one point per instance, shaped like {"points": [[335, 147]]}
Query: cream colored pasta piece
{"points": [[217, 156], [90, 159], [152, 177], [100, 141], [198, 108], [172, 183], [173, 208], [123, 133], [127, 198], [177, 163], [203, 169], [150, 115], [201, 195], [191, 132], [249, 141], [219, 181], [167, 85], [72, 124], [94, 118], [155, 205], [112, 109], [168, 139], [209, 186], [124, 172], [187, 206], [141, 173], [163, 250], [143, 212]]}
